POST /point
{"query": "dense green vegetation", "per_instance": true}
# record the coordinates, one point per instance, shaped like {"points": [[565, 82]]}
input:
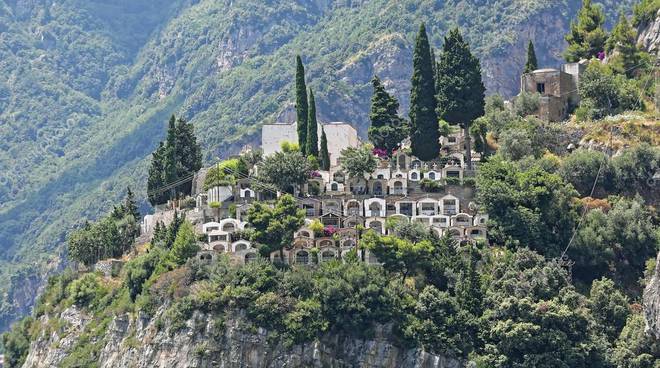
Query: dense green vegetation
{"points": [[110, 237], [87, 85]]}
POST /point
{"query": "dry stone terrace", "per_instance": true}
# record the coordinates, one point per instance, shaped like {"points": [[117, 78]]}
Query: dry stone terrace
{"points": [[438, 194]]}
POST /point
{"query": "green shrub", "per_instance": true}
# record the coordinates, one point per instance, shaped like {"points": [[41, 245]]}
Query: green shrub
{"points": [[54, 293], [179, 313], [453, 181], [526, 103], [603, 93], [431, 186], [138, 270], [304, 322], [470, 182], [86, 291], [16, 343]]}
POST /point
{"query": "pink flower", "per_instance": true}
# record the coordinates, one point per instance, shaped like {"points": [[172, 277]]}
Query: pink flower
{"points": [[329, 230]]}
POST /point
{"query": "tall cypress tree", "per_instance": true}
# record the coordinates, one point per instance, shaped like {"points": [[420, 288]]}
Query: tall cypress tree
{"points": [[461, 90], [387, 129], [531, 64], [312, 144], [587, 35], [188, 153], [155, 178], [130, 205], [170, 174], [434, 67], [302, 106], [424, 133], [622, 49], [325, 155]]}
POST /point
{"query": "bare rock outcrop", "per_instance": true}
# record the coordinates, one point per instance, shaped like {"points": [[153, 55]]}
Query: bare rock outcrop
{"points": [[649, 35], [652, 302], [230, 342]]}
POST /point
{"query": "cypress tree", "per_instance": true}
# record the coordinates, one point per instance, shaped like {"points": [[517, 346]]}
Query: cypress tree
{"points": [[461, 90], [188, 154], [587, 35], [302, 106], [312, 145], [170, 167], [622, 49], [531, 64], [155, 178], [325, 155], [424, 133], [434, 66], [387, 129], [130, 205]]}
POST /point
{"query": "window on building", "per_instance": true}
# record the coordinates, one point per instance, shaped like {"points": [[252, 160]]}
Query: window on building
{"points": [[540, 88]]}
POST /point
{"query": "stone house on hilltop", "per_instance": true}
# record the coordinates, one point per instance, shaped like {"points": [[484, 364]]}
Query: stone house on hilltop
{"points": [[558, 89]]}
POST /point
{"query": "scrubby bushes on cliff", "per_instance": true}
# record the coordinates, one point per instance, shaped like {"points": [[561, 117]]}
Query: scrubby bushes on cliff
{"points": [[16, 343]]}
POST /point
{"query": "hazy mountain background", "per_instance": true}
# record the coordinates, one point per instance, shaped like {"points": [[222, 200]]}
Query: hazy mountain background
{"points": [[86, 87]]}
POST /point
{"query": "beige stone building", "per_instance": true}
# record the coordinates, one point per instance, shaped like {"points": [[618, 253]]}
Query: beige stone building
{"points": [[558, 89]]}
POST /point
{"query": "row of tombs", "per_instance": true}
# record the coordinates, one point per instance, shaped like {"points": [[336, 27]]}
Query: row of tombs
{"points": [[341, 220]]}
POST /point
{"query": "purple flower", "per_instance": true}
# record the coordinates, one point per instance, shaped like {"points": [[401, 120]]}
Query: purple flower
{"points": [[315, 174], [601, 55], [380, 152]]}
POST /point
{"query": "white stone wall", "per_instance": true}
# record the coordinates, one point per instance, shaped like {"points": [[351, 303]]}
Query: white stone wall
{"points": [[272, 136], [340, 136]]}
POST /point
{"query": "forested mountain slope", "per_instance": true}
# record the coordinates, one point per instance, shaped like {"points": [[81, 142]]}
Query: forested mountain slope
{"points": [[86, 87]]}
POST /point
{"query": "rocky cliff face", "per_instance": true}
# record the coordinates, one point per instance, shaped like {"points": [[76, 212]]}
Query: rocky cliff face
{"points": [[207, 342], [649, 35], [652, 302]]}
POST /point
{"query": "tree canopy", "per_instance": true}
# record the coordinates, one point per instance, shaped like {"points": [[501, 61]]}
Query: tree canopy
{"points": [[358, 161], [621, 46], [424, 133], [274, 226], [180, 156], [587, 36], [461, 92], [284, 170], [387, 128]]}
